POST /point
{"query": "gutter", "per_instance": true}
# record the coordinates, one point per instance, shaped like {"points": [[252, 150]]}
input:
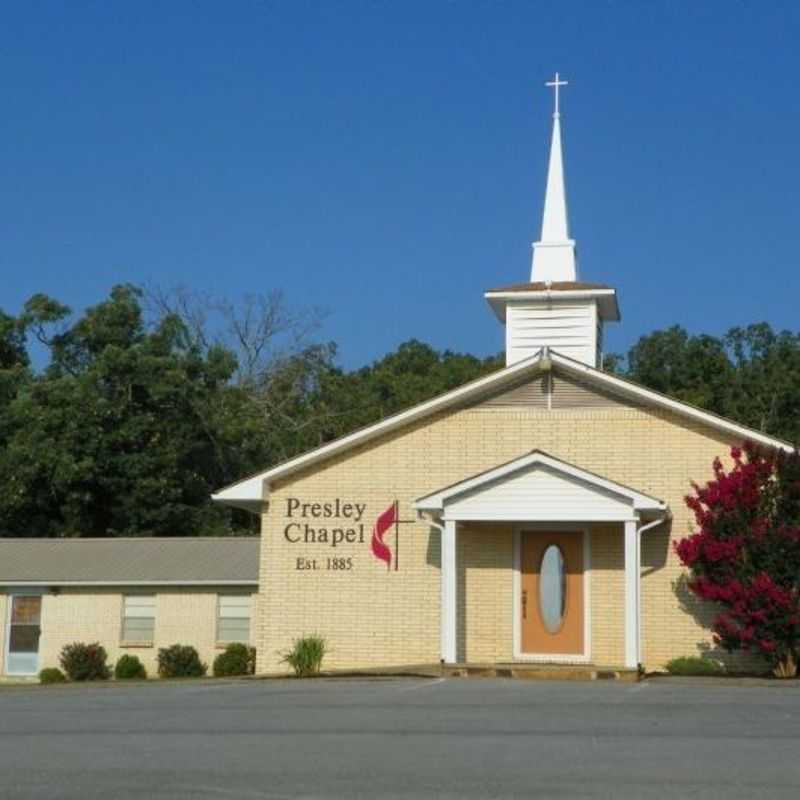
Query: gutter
{"points": [[51, 582]]}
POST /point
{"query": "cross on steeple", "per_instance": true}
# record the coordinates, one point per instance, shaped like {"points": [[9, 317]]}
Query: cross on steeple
{"points": [[556, 83]]}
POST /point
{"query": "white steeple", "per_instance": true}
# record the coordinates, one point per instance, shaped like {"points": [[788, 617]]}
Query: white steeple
{"points": [[555, 311], [554, 253]]}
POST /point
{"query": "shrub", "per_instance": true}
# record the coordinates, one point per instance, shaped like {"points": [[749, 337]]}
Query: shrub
{"points": [[745, 555], [306, 655], [694, 665], [236, 659], [52, 675], [180, 661], [128, 668], [85, 662]]}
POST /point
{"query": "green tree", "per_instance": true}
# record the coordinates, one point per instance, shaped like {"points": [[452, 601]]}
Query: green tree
{"points": [[12, 342], [148, 403], [415, 372], [751, 374], [119, 434], [695, 369], [765, 390]]}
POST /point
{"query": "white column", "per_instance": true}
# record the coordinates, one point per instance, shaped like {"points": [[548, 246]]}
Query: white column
{"points": [[448, 632], [631, 594]]}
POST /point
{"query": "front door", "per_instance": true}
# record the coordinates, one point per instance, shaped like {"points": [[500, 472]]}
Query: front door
{"points": [[24, 629], [552, 592]]}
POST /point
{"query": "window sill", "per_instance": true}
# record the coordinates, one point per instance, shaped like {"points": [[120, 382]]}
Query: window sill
{"points": [[223, 645], [136, 644]]}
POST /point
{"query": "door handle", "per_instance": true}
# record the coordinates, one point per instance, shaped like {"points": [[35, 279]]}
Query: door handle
{"points": [[524, 604]]}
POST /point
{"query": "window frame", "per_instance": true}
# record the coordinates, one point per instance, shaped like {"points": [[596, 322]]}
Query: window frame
{"points": [[137, 642], [220, 642], [7, 655]]}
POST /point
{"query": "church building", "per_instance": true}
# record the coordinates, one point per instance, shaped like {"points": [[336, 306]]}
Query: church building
{"points": [[525, 518]]}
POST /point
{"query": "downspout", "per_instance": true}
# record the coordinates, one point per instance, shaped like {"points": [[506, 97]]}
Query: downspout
{"points": [[639, 531]]}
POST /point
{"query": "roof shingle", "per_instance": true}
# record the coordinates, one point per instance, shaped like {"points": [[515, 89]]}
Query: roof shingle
{"points": [[136, 560]]}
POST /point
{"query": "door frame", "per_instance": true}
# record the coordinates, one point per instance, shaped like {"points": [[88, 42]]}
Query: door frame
{"points": [[10, 595], [566, 658]]}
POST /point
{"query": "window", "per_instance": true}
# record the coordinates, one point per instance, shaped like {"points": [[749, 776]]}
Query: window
{"points": [[233, 618], [138, 617], [24, 629]]}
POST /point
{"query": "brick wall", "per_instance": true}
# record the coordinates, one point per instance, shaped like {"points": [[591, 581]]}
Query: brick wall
{"points": [[183, 616], [372, 617]]}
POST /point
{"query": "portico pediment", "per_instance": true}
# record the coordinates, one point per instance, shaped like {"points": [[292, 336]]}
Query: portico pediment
{"points": [[539, 487]]}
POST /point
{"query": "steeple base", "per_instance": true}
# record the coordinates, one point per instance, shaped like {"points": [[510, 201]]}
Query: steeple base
{"points": [[554, 261]]}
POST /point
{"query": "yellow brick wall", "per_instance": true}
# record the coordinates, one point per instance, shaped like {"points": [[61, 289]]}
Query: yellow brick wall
{"points": [[183, 616], [372, 618], [484, 558], [606, 562]]}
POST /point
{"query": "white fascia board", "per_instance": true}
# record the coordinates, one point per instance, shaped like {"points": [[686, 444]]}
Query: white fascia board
{"points": [[653, 398], [55, 582], [255, 488], [639, 501], [242, 495], [606, 300]]}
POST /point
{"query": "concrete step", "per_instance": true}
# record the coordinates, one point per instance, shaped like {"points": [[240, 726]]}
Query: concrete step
{"points": [[541, 672]]}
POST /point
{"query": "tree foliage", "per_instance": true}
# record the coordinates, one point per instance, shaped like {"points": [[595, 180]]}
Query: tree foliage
{"points": [[151, 400], [745, 555], [750, 374], [146, 406], [117, 435]]}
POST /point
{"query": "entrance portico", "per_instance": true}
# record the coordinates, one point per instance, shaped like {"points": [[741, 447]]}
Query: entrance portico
{"points": [[551, 506]]}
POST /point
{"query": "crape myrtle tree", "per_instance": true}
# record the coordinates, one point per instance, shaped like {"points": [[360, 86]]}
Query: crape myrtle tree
{"points": [[745, 555]]}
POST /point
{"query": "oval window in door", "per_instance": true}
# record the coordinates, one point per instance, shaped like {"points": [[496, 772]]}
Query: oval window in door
{"points": [[552, 588]]}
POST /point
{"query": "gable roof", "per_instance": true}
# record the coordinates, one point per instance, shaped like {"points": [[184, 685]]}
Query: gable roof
{"points": [[250, 492], [142, 561], [435, 501]]}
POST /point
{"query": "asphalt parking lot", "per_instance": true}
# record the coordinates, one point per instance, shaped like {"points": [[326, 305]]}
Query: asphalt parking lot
{"points": [[400, 738]]}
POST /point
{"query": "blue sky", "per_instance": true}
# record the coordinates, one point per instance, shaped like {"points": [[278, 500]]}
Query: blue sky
{"points": [[386, 161]]}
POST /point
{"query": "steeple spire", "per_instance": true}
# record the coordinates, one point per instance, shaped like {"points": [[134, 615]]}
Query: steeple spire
{"points": [[554, 253]]}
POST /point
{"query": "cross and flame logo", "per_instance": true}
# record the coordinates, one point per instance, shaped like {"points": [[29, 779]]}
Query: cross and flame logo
{"points": [[386, 521]]}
